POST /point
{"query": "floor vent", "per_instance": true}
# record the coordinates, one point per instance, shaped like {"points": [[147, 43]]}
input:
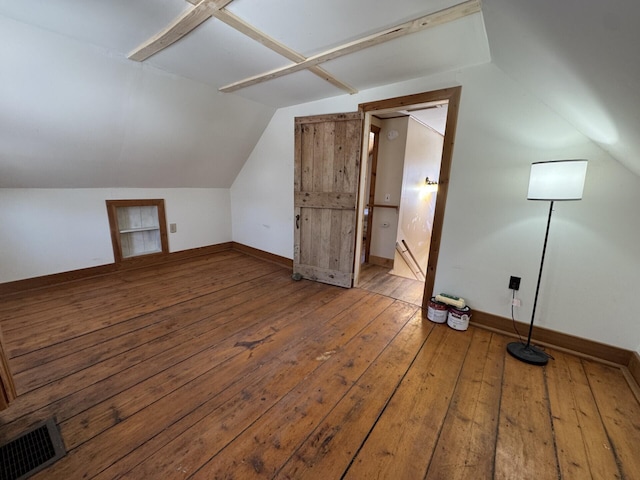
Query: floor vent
{"points": [[31, 452]]}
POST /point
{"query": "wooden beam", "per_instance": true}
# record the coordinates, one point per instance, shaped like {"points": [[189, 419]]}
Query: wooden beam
{"points": [[413, 26], [181, 26], [205, 9], [218, 4], [272, 44]]}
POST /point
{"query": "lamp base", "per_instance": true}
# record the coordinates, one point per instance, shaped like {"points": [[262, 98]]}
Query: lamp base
{"points": [[527, 354]]}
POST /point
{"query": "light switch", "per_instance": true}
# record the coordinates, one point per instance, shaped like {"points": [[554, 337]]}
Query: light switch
{"points": [[173, 228]]}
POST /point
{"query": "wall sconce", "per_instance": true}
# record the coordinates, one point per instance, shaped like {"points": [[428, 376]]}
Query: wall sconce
{"points": [[430, 182], [430, 187]]}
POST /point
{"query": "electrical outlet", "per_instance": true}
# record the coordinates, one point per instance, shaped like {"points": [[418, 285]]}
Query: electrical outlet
{"points": [[516, 302], [514, 283]]}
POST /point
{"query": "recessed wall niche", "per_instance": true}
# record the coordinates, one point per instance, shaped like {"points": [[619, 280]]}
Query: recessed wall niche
{"points": [[138, 228]]}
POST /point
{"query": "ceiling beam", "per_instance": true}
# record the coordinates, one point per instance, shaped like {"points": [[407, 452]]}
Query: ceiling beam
{"points": [[438, 18], [205, 9], [181, 26], [250, 31]]}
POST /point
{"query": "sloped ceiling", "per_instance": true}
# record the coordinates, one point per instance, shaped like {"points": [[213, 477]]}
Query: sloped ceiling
{"points": [[216, 54], [580, 57], [76, 112]]}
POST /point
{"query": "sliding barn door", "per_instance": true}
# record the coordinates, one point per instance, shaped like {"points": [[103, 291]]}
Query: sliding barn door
{"points": [[327, 166]]}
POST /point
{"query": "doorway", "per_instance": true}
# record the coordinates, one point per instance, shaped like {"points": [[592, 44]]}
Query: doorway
{"points": [[431, 194]]}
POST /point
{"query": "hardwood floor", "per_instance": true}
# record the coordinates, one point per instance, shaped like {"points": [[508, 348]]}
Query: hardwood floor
{"points": [[375, 278], [223, 367]]}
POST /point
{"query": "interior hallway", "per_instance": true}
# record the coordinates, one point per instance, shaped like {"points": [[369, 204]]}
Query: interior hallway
{"points": [[375, 278]]}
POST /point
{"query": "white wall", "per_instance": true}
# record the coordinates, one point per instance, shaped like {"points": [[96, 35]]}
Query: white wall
{"points": [[262, 194], [490, 230], [388, 181], [423, 156], [47, 231], [76, 115]]}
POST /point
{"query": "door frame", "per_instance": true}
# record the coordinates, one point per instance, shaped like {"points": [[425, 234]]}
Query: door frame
{"points": [[7, 385], [452, 96], [371, 181]]}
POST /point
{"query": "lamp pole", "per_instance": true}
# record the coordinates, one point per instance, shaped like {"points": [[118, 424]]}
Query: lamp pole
{"points": [[527, 352], [535, 298]]}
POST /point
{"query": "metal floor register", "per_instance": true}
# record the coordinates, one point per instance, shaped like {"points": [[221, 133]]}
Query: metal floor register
{"points": [[31, 452]]}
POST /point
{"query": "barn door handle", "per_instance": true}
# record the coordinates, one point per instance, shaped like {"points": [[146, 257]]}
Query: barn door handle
{"points": [[298, 221]]}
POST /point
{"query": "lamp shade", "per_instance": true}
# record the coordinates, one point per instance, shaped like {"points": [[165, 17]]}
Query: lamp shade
{"points": [[557, 180]]}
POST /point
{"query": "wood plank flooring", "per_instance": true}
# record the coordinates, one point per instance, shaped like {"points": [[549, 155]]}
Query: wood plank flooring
{"points": [[223, 367], [375, 278]]}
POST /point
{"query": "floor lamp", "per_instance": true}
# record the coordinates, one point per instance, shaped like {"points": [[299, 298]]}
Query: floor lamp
{"points": [[551, 181]]}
